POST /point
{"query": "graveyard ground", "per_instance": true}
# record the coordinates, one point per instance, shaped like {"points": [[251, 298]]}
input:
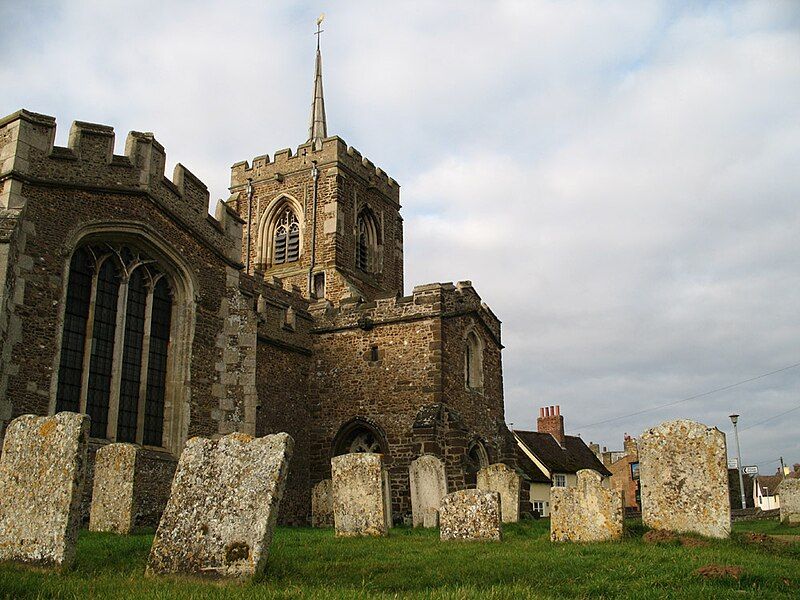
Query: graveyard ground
{"points": [[311, 563]]}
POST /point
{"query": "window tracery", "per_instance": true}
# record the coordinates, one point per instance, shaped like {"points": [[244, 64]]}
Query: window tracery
{"points": [[286, 239], [115, 343]]}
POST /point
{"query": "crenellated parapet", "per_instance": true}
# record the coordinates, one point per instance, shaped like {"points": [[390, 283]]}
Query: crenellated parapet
{"points": [[333, 154], [426, 301], [28, 154]]}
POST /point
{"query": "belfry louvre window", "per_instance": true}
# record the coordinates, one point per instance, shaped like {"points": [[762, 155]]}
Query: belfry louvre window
{"points": [[367, 243], [286, 243], [115, 343]]}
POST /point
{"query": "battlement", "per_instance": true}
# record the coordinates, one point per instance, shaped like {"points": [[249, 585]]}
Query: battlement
{"points": [[429, 300], [333, 152], [28, 152]]}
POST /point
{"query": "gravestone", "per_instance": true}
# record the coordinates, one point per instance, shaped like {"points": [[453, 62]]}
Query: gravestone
{"points": [[789, 494], [683, 476], [42, 473], [587, 512], [471, 515], [223, 506], [505, 481], [113, 501], [322, 504], [428, 487], [360, 489]]}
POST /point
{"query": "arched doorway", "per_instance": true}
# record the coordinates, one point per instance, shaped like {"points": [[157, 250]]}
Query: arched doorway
{"points": [[476, 459]]}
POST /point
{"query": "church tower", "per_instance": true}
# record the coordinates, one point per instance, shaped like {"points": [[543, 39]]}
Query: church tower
{"points": [[324, 219]]}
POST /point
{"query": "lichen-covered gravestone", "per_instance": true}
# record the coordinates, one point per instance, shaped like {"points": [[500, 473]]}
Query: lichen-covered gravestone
{"points": [[587, 512], [360, 505], [789, 494], [683, 475], [428, 487], [322, 504], [223, 506], [505, 481], [42, 472], [113, 501], [472, 515]]}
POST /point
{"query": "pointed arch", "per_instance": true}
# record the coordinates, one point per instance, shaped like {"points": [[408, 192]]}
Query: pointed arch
{"points": [[369, 242], [280, 232], [473, 360]]}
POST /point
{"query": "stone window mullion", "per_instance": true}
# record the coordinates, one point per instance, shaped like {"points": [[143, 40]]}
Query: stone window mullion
{"points": [[148, 318], [116, 361]]}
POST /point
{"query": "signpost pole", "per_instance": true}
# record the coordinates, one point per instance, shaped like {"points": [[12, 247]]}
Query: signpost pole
{"points": [[735, 419]]}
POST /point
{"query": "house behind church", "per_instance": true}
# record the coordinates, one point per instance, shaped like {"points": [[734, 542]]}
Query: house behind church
{"points": [[552, 459]]}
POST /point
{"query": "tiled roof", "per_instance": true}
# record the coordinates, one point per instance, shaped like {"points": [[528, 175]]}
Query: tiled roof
{"points": [[574, 456], [770, 482], [529, 467]]}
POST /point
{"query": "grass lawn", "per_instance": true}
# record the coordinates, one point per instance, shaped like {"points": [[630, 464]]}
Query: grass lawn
{"points": [[312, 563]]}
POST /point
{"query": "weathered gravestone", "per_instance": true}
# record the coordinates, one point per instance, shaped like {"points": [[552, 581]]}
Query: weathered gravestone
{"points": [[587, 512], [113, 502], [42, 472], [683, 475], [789, 494], [361, 505], [472, 515], [428, 487], [322, 504], [223, 506], [505, 481]]}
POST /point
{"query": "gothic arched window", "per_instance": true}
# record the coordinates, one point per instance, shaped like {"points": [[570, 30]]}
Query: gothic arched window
{"points": [[115, 343], [367, 242], [286, 239], [473, 362]]}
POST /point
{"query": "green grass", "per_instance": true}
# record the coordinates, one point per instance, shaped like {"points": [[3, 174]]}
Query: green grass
{"points": [[309, 563]]}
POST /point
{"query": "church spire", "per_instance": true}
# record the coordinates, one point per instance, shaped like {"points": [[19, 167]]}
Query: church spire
{"points": [[317, 126]]}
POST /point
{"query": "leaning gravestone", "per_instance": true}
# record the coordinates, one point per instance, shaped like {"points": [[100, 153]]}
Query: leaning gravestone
{"points": [[113, 502], [42, 472], [683, 476], [789, 494], [587, 512], [223, 506], [428, 487], [505, 481], [360, 503], [472, 515], [322, 504]]}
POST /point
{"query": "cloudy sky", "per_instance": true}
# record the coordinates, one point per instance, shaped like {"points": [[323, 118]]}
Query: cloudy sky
{"points": [[620, 180]]}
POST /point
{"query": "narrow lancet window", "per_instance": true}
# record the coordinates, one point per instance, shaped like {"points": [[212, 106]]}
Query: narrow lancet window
{"points": [[132, 357], [73, 340], [157, 364]]}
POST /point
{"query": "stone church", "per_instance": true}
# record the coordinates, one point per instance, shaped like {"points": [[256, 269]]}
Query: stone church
{"points": [[123, 298]]}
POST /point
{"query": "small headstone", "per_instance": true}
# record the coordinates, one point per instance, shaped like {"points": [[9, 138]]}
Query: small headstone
{"points": [[113, 502], [587, 512], [42, 472], [360, 505], [470, 515], [428, 487], [505, 481], [322, 504], [789, 494], [683, 476], [222, 510]]}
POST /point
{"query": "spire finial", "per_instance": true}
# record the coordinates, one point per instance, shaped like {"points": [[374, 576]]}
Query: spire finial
{"points": [[317, 126]]}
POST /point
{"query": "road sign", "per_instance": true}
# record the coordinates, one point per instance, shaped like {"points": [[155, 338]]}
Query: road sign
{"points": [[751, 470], [733, 463]]}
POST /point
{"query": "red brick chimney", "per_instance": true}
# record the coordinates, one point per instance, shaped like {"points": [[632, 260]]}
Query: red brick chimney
{"points": [[550, 421]]}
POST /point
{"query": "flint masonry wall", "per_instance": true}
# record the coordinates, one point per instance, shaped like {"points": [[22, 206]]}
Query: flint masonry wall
{"points": [[347, 182], [413, 350], [53, 200]]}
